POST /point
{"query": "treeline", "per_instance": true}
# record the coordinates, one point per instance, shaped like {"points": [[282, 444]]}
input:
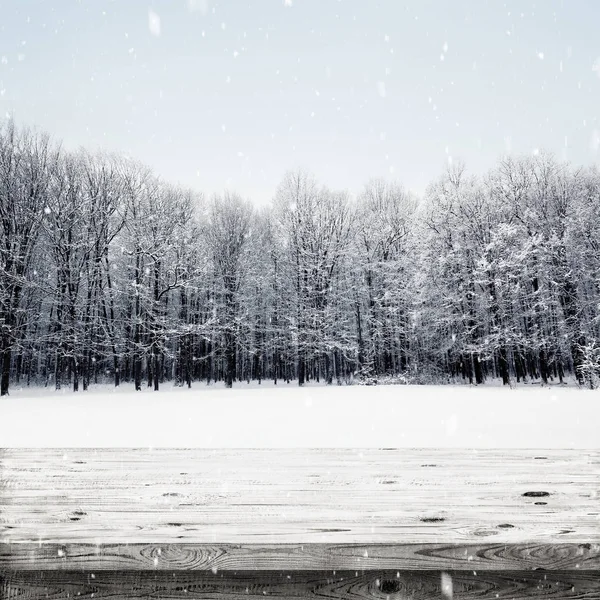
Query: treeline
{"points": [[106, 272]]}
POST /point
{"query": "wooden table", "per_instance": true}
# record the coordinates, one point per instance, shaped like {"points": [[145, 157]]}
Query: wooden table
{"points": [[385, 524]]}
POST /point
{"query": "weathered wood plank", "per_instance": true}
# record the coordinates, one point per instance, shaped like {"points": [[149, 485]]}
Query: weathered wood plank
{"points": [[291, 557], [506, 509], [351, 585], [304, 496]]}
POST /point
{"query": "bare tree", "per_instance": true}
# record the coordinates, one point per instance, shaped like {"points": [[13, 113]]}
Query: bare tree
{"points": [[227, 232], [25, 161]]}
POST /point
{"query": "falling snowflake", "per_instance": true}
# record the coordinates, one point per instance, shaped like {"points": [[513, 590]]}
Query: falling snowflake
{"points": [[595, 141], [153, 23], [198, 6], [381, 88], [447, 591]]}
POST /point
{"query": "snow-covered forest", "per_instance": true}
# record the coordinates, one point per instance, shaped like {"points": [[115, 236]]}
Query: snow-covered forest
{"points": [[109, 273]]}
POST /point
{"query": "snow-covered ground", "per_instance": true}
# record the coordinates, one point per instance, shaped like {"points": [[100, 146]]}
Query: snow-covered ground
{"points": [[313, 416]]}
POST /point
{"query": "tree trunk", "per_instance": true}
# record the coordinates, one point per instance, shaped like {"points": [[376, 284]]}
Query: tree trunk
{"points": [[503, 365], [75, 369], [229, 358], [5, 376], [58, 371], [116, 369], [568, 301], [137, 372], [301, 368], [155, 367]]}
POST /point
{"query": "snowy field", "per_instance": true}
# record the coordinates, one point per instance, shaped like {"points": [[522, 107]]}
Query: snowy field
{"points": [[315, 416]]}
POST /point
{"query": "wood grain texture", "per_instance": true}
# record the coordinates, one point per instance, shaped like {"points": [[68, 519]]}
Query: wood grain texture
{"points": [[350, 585], [299, 509], [198, 557]]}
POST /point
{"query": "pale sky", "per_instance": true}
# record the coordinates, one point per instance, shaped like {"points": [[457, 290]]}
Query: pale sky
{"points": [[232, 94]]}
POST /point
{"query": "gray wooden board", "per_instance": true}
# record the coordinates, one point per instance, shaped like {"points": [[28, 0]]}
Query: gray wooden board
{"points": [[346, 585], [299, 509], [201, 557]]}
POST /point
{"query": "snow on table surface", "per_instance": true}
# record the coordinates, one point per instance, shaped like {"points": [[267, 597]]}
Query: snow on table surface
{"points": [[286, 416]]}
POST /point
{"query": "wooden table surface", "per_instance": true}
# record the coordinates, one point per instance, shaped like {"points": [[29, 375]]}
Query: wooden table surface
{"points": [[299, 510]]}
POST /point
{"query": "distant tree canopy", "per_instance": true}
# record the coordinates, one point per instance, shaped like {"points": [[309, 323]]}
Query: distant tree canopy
{"points": [[107, 273]]}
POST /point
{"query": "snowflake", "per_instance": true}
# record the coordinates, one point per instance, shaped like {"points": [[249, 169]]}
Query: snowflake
{"points": [[198, 5], [595, 141], [154, 23]]}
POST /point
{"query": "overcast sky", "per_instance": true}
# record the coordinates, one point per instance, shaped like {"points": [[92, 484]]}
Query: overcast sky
{"points": [[215, 94]]}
